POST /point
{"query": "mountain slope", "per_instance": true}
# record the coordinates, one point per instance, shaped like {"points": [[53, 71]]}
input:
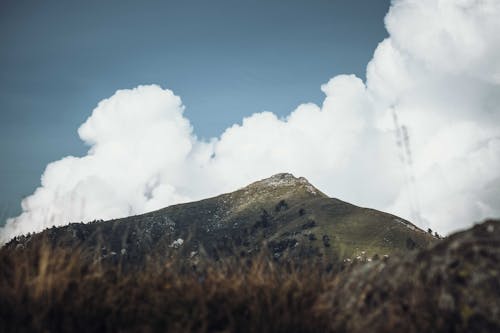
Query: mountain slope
{"points": [[283, 214]]}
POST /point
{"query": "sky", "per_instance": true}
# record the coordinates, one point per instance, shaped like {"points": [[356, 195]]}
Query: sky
{"points": [[129, 108], [58, 59]]}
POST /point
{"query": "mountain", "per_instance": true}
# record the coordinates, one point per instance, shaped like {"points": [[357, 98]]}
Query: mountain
{"points": [[283, 215]]}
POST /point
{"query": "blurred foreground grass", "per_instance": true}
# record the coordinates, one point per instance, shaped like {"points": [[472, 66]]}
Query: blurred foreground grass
{"points": [[50, 289], [452, 286]]}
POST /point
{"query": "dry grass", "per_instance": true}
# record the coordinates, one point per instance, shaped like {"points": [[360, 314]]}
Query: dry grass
{"points": [[453, 286], [51, 289]]}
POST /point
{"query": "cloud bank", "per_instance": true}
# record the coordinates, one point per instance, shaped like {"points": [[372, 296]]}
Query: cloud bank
{"points": [[420, 138]]}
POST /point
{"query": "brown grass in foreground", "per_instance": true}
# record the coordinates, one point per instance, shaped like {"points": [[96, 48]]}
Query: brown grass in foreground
{"points": [[50, 289], [453, 286]]}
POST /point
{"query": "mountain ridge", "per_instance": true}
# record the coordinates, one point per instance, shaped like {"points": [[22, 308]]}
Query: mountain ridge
{"points": [[282, 214]]}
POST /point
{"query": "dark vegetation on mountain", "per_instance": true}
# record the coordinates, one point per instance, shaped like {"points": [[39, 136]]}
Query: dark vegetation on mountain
{"points": [[302, 263]]}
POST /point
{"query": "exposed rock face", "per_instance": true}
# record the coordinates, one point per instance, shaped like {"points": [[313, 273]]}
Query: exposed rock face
{"points": [[283, 214], [453, 286], [285, 180]]}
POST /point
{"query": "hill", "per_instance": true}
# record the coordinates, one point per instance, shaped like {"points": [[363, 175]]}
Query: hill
{"points": [[283, 215]]}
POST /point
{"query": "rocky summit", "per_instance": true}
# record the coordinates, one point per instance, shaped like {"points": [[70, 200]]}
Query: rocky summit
{"points": [[284, 216]]}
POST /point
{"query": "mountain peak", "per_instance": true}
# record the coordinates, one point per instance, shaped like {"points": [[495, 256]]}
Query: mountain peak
{"points": [[285, 180], [279, 179]]}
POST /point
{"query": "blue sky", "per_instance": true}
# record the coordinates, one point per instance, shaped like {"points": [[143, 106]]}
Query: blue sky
{"points": [[226, 59], [413, 129]]}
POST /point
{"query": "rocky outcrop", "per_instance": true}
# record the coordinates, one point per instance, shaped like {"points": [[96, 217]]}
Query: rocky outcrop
{"points": [[454, 286]]}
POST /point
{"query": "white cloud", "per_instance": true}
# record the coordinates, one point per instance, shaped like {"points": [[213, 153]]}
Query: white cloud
{"points": [[138, 141], [439, 72]]}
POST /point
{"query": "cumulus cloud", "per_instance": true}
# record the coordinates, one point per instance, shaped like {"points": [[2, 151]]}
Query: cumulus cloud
{"points": [[421, 138], [439, 71]]}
